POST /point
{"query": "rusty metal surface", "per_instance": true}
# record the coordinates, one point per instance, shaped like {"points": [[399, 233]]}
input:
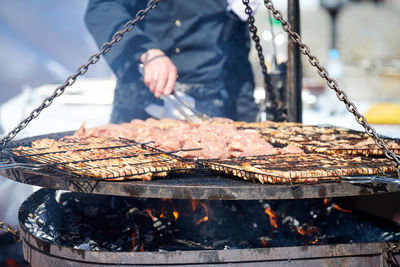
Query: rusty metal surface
{"points": [[36, 257]]}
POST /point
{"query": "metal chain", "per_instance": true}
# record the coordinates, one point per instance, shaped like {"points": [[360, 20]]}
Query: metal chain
{"points": [[388, 253], [279, 114], [105, 48], [7, 228], [305, 50]]}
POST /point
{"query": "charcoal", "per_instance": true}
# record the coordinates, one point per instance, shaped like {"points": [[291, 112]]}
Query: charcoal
{"points": [[109, 223]]}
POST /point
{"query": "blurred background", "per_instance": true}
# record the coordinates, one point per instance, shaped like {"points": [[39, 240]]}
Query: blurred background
{"points": [[43, 42]]}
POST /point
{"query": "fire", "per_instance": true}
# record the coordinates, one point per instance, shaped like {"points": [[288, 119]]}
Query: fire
{"points": [[168, 210], [150, 214], [263, 242], [195, 203], [133, 239], [336, 206], [315, 241], [205, 218], [301, 230], [272, 217], [341, 209]]}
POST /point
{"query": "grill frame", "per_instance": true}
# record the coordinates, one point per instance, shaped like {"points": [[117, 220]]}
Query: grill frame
{"points": [[310, 140], [198, 185]]}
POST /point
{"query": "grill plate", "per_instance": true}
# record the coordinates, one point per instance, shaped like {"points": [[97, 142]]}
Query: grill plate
{"points": [[199, 185]]}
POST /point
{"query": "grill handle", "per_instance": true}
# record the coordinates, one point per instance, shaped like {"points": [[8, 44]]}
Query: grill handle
{"points": [[7, 228]]}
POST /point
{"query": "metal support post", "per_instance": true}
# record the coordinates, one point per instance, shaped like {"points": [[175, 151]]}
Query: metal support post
{"points": [[294, 71]]}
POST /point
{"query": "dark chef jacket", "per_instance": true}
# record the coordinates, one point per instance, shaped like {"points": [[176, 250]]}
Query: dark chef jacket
{"points": [[203, 40]]}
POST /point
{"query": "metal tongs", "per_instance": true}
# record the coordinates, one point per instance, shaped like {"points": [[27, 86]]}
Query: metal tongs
{"points": [[370, 180], [185, 109], [10, 163]]}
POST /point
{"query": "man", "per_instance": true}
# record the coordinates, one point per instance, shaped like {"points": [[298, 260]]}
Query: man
{"points": [[198, 47]]}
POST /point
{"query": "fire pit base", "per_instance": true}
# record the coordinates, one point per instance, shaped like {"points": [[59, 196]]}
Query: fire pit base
{"points": [[38, 251], [41, 253]]}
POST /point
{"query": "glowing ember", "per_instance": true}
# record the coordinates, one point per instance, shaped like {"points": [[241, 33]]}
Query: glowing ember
{"points": [[205, 218], [301, 231], [341, 209], [176, 215], [326, 201], [315, 241], [272, 217]]}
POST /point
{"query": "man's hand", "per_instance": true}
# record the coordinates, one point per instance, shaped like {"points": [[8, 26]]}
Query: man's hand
{"points": [[160, 73]]}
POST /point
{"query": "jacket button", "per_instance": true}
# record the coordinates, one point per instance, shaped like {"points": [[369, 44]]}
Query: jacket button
{"points": [[178, 23], [177, 50]]}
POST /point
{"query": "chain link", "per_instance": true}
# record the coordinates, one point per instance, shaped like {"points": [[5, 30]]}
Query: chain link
{"points": [[105, 48], [7, 228], [305, 50], [278, 113], [388, 253]]}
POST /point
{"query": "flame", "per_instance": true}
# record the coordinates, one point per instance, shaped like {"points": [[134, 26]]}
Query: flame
{"points": [[272, 217], [142, 249], [205, 218], [315, 241], [341, 209], [263, 242], [168, 210], [133, 239], [337, 207], [195, 203], [150, 214], [301, 230]]}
